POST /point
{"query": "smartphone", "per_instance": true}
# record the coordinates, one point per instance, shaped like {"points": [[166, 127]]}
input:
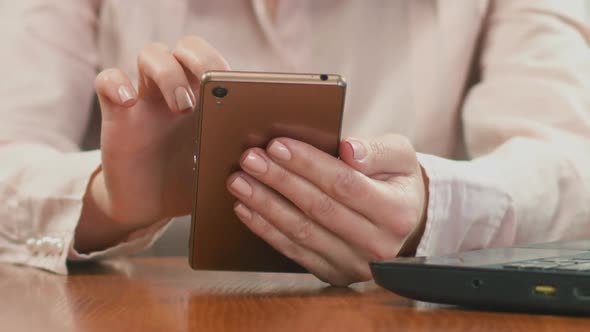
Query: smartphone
{"points": [[240, 110]]}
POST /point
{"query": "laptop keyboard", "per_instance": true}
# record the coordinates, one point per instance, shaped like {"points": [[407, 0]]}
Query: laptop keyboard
{"points": [[577, 263]]}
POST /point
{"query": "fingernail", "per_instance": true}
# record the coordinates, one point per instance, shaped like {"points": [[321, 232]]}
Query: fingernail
{"points": [[279, 151], [241, 187], [183, 99], [125, 94], [358, 149], [243, 212], [254, 163]]}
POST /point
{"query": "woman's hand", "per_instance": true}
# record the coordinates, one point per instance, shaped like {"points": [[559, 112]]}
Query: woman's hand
{"points": [[331, 215], [147, 142]]}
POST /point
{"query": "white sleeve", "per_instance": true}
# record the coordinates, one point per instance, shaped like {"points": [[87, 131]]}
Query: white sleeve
{"points": [[527, 132], [49, 61]]}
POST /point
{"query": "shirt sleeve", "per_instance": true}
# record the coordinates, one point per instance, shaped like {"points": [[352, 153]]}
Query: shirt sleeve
{"points": [[527, 132], [48, 66]]}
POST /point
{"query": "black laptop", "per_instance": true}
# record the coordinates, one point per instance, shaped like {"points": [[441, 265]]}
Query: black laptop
{"points": [[550, 277]]}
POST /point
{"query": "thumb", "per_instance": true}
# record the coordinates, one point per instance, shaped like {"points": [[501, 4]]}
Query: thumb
{"points": [[114, 91], [381, 155]]}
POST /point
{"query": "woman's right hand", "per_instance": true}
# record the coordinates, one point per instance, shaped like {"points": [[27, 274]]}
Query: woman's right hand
{"points": [[147, 142]]}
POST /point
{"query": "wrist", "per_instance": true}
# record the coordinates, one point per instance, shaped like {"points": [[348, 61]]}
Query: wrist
{"points": [[96, 229], [410, 246]]}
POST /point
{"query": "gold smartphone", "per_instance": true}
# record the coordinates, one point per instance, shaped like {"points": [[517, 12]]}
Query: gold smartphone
{"points": [[240, 110]]}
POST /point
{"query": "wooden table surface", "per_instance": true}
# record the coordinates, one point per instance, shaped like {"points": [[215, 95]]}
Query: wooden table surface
{"points": [[163, 294]]}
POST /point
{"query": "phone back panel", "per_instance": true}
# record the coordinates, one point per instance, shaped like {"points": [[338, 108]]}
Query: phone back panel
{"points": [[257, 108]]}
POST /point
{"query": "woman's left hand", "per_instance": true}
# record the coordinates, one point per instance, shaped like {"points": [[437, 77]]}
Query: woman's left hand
{"points": [[333, 216]]}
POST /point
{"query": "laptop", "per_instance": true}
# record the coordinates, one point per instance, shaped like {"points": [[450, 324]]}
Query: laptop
{"points": [[547, 278]]}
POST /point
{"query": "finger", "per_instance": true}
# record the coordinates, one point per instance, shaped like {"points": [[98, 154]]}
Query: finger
{"points": [[198, 57], [162, 76], [374, 200], [114, 88], [389, 154], [297, 226], [306, 258], [350, 226]]}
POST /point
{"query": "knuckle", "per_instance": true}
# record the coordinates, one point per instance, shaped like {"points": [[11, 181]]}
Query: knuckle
{"points": [[379, 148], [198, 54], [182, 43], [291, 250], [280, 176], [158, 70], [305, 155], [262, 202], [264, 228], [179, 51], [405, 148], [149, 49], [186, 47], [410, 157], [322, 208], [163, 74], [346, 185], [304, 231], [197, 64], [396, 143], [406, 144]]}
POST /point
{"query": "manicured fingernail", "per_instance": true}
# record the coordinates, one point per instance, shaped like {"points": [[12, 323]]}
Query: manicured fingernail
{"points": [[253, 162], [279, 151], [241, 186], [183, 99], [358, 149], [125, 94], [243, 212]]}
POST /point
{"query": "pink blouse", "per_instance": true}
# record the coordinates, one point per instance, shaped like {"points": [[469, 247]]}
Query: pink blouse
{"points": [[495, 95]]}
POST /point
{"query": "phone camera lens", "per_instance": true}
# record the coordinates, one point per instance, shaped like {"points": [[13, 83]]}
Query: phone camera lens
{"points": [[323, 77], [219, 91]]}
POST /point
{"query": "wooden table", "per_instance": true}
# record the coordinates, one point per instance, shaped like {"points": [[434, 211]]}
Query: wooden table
{"points": [[163, 294]]}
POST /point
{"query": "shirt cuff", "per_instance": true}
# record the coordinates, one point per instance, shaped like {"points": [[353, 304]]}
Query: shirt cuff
{"points": [[466, 206], [44, 189], [136, 242]]}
